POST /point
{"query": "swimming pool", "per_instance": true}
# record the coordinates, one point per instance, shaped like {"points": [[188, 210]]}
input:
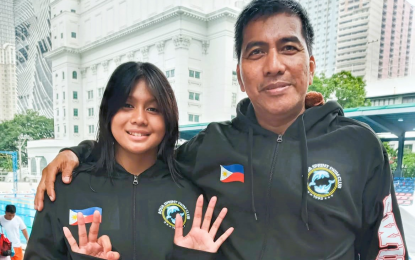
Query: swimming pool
{"points": [[24, 209]]}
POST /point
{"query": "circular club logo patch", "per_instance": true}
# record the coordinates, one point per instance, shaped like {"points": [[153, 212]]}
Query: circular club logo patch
{"points": [[323, 181], [170, 209]]}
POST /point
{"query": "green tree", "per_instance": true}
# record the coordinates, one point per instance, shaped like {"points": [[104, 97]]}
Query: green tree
{"points": [[347, 89], [29, 123], [408, 161]]}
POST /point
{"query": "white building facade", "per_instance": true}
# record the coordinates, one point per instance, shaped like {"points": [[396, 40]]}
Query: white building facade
{"points": [[323, 15], [191, 41], [8, 82], [359, 35]]}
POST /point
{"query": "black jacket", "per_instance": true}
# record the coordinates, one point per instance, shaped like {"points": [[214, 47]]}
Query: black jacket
{"points": [[323, 190], [137, 214]]}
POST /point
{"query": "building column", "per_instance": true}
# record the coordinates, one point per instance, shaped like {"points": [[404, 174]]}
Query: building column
{"points": [[401, 142]]}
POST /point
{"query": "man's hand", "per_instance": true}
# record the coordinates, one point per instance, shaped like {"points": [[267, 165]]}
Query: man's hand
{"points": [[201, 238], [90, 244], [65, 162]]}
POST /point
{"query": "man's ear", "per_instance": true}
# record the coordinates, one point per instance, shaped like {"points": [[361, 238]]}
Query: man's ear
{"points": [[312, 67]]}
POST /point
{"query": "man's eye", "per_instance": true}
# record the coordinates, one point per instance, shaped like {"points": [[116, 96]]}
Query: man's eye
{"points": [[255, 52], [289, 48]]}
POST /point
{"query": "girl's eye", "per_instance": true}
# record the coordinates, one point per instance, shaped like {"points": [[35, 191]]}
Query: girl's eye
{"points": [[126, 105], [152, 109]]}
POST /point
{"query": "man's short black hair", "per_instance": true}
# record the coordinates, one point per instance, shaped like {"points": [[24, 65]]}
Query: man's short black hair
{"points": [[11, 209], [267, 8]]}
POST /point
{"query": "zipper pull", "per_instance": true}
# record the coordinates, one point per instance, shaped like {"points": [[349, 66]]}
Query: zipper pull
{"points": [[279, 139], [135, 182]]}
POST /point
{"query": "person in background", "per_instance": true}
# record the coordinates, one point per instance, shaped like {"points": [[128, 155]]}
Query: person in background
{"points": [[12, 225]]}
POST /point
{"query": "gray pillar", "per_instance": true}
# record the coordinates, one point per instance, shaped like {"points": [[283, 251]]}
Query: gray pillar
{"points": [[401, 140]]}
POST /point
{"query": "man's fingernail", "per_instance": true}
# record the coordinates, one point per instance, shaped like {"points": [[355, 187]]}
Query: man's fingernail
{"points": [[66, 179], [50, 197]]}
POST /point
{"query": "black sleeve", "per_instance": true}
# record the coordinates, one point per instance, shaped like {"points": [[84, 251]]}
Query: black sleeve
{"points": [[181, 253], [186, 155], [46, 239], [382, 234], [86, 151]]}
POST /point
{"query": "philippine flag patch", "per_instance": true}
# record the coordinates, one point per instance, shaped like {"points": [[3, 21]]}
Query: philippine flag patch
{"points": [[232, 173], [88, 215]]}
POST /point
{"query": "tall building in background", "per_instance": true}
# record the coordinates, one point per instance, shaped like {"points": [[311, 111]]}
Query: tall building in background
{"points": [[395, 45], [359, 36], [6, 22], [34, 73], [7, 62], [8, 101], [190, 40], [324, 16]]}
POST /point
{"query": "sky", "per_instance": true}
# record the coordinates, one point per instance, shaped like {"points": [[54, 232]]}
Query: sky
{"points": [[412, 2]]}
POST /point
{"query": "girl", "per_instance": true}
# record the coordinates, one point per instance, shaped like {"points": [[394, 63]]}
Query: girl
{"points": [[133, 193]]}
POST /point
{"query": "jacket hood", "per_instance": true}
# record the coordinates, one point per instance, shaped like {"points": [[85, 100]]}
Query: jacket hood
{"points": [[316, 120], [156, 171]]}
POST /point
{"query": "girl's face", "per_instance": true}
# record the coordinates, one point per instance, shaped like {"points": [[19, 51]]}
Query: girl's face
{"points": [[138, 127]]}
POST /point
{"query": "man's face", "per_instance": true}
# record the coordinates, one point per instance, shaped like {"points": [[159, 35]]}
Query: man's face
{"points": [[275, 68], [9, 216]]}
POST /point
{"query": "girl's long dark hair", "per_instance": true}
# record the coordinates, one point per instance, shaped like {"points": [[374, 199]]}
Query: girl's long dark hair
{"points": [[119, 87]]}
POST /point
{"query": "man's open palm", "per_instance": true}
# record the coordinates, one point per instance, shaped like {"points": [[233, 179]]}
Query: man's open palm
{"points": [[202, 237]]}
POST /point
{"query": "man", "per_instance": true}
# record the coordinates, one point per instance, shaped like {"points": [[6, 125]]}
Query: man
{"points": [[298, 184], [12, 224]]}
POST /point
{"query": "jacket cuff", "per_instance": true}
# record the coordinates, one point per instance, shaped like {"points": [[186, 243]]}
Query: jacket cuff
{"points": [[181, 253]]}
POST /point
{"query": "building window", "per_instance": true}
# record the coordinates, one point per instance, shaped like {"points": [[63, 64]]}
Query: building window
{"points": [[63, 95], [170, 73], [57, 112], [193, 118], [100, 92], [90, 94], [91, 129], [73, 11], [61, 35], [73, 35], [408, 147], [75, 112], [64, 112], [75, 94], [57, 96], [232, 116], [233, 99], [63, 75], [75, 129], [194, 96], [408, 100], [74, 75], [59, 129], [91, 111]]}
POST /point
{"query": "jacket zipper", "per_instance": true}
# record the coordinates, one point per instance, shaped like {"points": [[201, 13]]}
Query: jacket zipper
{"points": [[274, 159], [135, 183]]}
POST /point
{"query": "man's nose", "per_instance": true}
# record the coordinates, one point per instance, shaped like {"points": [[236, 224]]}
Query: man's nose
{"points": [[274, 64]]}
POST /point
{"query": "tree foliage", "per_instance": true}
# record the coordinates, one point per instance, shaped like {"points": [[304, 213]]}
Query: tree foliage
{"points": [[29, 123], [408, 162], [349, 91]]}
